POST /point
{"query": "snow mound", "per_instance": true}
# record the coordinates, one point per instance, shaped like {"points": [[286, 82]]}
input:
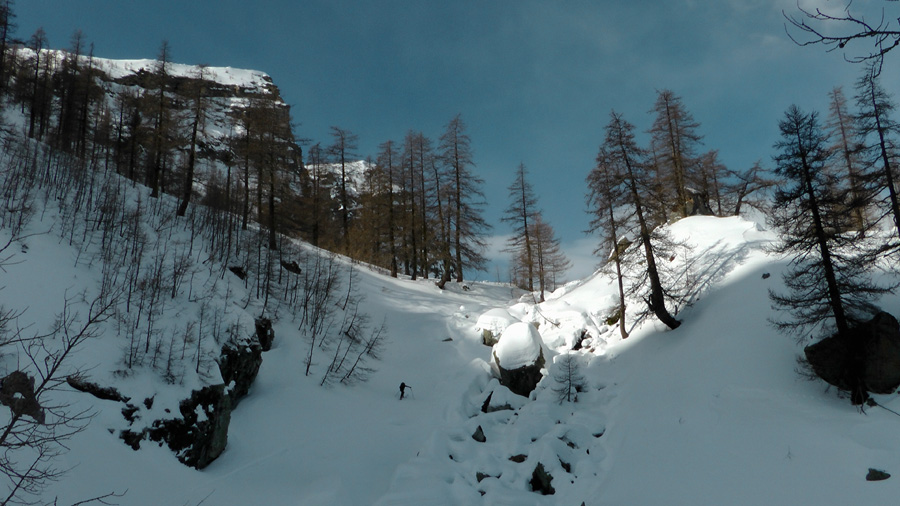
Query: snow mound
{"points": [[520, 345], [496, 320]]}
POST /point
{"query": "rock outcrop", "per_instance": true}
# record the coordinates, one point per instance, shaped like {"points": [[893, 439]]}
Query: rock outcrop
{"points": [[201, 434], [17, 392], [265, 333], [518, 358], [869, 356], [239, 364]]}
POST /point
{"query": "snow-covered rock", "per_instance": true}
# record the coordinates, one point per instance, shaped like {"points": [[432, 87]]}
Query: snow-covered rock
{"points": [[492, 323], [519, 345], [517, 359]]}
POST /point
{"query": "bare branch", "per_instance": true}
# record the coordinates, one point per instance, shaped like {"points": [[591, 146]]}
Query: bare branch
{"points": [[884, 35]]}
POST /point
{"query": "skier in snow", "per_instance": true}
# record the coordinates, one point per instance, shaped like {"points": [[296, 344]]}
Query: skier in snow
{"points": [[403, 387]]}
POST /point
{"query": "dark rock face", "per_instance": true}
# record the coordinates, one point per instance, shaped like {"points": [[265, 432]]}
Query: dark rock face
{"points": [[540, 481], [479, 435], [200, 436], [239, 364], [868, 359], [105, 393], [488, 338], [238, 271], [876, 475], [487, 407], [882, 352], [521, 381], [265, 333], [291, 266], [17, 392], [699, 203]]}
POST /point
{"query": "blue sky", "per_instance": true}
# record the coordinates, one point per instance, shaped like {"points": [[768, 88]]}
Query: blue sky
{"points": [[534, 80]]}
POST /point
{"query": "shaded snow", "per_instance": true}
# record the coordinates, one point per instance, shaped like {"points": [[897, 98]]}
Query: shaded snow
{"points": [[711, 413]]}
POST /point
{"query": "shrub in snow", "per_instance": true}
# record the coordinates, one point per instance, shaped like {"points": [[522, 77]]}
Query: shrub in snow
{"points": [[568, 378], [517, 358]]}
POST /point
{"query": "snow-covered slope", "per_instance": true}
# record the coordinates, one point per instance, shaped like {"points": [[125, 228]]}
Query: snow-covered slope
{"points": [[711, 413], [226, 76]]}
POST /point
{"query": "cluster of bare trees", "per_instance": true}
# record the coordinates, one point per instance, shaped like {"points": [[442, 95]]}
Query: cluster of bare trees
{"points": [[87, 143], [838, 213], [633, 191], [416, 209], [151, 127], [537, 259], [36, 420], [865, 36]]}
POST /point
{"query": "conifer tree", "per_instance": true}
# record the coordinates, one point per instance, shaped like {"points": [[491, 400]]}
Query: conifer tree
{"points": [[630, 161], [343, 144], [411, 201], [467, 199], [162, 122], [387, 160], [520, 214], [7, 28], [877, 127], [827, 281], [549, 260], [846, 145], [606, 199], [39, 89], [198, 112], [674, 139], [568, 378], [709, 181]]}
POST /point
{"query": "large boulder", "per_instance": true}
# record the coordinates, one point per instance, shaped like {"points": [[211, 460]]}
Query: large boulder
{"points": [[201, 434], [17, 392], [239, 364], [870, 353], [265, 333], [517, 358]]}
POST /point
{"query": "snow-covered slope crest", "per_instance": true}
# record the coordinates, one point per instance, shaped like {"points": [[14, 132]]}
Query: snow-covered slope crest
{"points": [[226, 76], [117, 70]]}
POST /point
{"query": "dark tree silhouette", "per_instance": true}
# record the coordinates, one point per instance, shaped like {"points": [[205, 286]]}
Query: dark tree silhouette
{"points": [[630, 161], [827, 280], [607, 194], [838, 31], [466, 196], [520, 214]]}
